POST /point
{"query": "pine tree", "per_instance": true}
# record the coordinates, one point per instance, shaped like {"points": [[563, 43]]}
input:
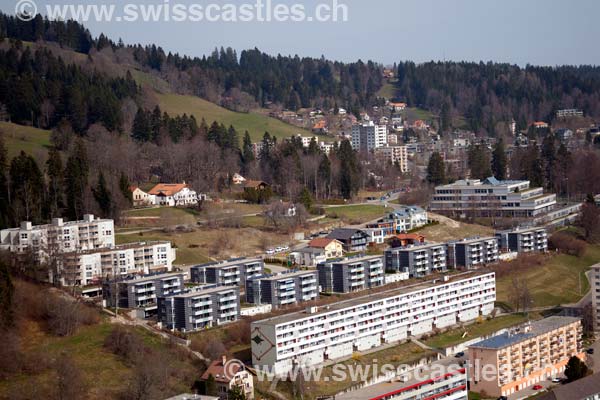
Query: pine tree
{"points": [[575, 369], [140, 130], [5, 216], [549, 160], [247, 153], [479, 162], [313, 147], [499, 161], [436, 169], [349, 170], [55, 173], [7, 291], [27, 188], [306, 198], [103, 196], [324, 174], [124, 188], [76, 181]]}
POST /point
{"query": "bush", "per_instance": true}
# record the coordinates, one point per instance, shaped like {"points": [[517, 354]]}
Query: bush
{"points": [[567, 244], [65, 315]]}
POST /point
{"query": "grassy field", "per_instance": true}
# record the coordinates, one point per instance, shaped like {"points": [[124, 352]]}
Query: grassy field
{"points": [[443, 232], [559, 280], [388, 90], [255, 124], [485, 327], [30, 140], [356, 214]]}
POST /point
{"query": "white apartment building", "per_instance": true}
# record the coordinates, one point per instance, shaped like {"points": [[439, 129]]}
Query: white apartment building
{"points": [[59, 236], [595, 282], [340, 329], [473, 252], [368, 136], [86, 267], [394, 155]]}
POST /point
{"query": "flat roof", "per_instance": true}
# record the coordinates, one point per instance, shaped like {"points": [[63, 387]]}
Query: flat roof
{"points": [[201, 291], [229, 263], [150, 278], [473, 240], [581, 389], [523, 230], [368, 298], [354, 260], [284, 275], [537, 328], [125, 246]]}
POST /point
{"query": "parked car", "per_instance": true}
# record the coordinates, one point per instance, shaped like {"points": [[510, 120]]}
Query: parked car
{"points": [[537, 387], [278, 249], [556, 380], [590, 351], [270, 251], [502, 398], [285, 247], [459, 354]]}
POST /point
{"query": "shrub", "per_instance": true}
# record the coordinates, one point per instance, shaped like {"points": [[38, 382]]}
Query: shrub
{"points": [[567, 244]]}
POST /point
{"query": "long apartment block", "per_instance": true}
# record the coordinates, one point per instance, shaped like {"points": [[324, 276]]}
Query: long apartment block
{"points": [[595, 290], [524, 240], [283, 289], [337, 330], [522, 358], [231, 272], [473, 252], [352, 274], [86, 267], [418, 260], [141, 292], [59, 236], [199, 308]]}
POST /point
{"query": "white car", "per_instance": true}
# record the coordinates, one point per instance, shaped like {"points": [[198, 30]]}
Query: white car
{"points": [[278, 249], [270, 251], [285, 247]]}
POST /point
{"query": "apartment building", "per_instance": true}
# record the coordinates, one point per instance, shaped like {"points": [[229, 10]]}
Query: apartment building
{"points": [[368, 136], [418, 260], [351, 275], [408, 218], [231, 272], [362, 323], [59, 236], [199, 308], [442, 379], [141, 292], [595, 290], [491, 198], [526, 356], [283, 289], [87, 267], [523, 240], [397, 155], [353, 240], [472, 252]]}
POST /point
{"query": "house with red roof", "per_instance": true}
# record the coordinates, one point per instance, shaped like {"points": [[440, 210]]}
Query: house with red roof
{"points": [[228, 375]]}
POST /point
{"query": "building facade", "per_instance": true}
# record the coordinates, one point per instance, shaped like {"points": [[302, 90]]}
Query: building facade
{"points": [[534, 353], [368, 136], [199, 308], [283, 289], [340, 329], [473, 252], [353, 240], [418, 260], [595, 289], [227, 376], [351, 275], [408, 218], [231, 272], [397, 155], [523, 240], [59, 236]]}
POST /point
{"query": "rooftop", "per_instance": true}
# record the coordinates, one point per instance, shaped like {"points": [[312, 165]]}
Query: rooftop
{"points": [[204, 290], [491, 181], [150, 278], [320, 242], [284, 275], [537, 328], [167, 189], [369, 298], [343, 233], [229, 263], [583, 388]]}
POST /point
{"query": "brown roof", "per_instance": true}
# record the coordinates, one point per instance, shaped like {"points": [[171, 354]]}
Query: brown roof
{"points": [[167, 189], [320, 243], [410, 236], [220, 372]]}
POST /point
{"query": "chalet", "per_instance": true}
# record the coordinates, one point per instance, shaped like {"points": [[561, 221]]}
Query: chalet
{"points": [[320, 127], [256, 185], [227, 376], [397, 106], [173, 194], [332, 248], [141, 198], [406, 239], [353, 240], [237, 179]]}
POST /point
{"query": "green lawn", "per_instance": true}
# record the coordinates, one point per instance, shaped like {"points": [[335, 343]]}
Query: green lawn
{"points": [[414, 113], [356, 214], [478, 329], [18, 137], [556, 281], [388, 90], [254, 123]]}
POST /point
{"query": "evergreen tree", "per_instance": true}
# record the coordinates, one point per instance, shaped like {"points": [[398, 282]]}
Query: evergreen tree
{"points": [[324, 174], [55, 173], [479, 162], [7, 291], [445, 118], [141, 128], [103, 196], [76, 181], [436, 169], [306, 198], [499, 161], [549, 160], [5, 216], [27, 189], [349, 170], [575, 369], [313, 147], [124, 188]]}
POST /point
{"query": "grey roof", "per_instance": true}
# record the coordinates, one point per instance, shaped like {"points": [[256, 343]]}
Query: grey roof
{"points": [[343, 233], [203, 291], [229, 263], [581, 389], [283, 275], [537, 328], [152, 278]]}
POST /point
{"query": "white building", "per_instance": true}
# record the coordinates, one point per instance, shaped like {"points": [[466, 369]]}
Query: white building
{"points": [[86, 267], [340, 329], [174, 194], [408, 218], [59, 236], [368, 136], [595, 282], [141, 198], [394, 155]]}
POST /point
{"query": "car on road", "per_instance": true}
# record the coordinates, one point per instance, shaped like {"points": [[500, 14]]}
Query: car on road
{"points": [[270, 251], [285, 247], [537, 387], [590, 351], [278, 249], [502, 398], [556, 380], [459, 354]]}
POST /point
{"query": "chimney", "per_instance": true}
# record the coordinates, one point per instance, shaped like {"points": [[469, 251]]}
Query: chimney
{"points": [[26, 225], [224, 359]]}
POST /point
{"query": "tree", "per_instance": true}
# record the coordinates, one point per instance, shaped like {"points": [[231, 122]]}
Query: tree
{"points": [[210, 387], [7, 291], [55, 173], [445, 118], [499, 161], [236, 393], [27, 188], [76, 181], [436, 169], [349, 170], [479, 162], [247, 153], [590, 220], [549, 160], [124, 188], [575, 369], [69, 379], [102, 196], [306, 198], [5, 210]]}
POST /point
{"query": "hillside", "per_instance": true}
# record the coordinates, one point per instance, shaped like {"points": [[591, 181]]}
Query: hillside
{"points": [[255, 124], [26, 138]]}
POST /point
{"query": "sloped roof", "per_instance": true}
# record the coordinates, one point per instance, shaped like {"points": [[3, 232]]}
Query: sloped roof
{"points": [[580, 389], [320, 242], [167, 189], [343, 233], [222, 373]]}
